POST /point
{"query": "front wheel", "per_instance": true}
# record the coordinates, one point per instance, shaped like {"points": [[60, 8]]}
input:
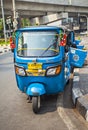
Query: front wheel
{"points": [[35, 104]]}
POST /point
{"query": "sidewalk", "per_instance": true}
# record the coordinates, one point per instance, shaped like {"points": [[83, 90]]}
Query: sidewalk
{"points": [[80, 90], [80, 85]]}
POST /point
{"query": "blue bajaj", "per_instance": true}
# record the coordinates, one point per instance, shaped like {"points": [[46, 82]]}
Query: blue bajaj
{"points": [[42, 65]]}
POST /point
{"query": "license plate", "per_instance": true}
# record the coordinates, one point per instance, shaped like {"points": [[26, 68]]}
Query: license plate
{"points": [[32, 66]]}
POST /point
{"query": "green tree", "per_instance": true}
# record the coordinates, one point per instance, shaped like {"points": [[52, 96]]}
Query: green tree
{"points": [[25, 22], [1, 28], [1, 24]]}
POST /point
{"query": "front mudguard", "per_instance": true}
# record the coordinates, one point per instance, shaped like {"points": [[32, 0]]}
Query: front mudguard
{"points": [[35, 89]]}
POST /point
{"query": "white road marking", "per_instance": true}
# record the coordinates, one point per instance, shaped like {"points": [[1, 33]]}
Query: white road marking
{"points": [[63, 114]]}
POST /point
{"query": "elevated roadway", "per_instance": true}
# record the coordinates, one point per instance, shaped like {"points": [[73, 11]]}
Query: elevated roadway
{"points": [[33, 8], [40, 11]]}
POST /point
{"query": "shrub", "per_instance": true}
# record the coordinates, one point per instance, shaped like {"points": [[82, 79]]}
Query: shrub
{"points": [[2, 42]]}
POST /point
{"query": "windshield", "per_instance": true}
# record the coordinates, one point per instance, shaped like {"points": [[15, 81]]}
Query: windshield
{"points": [[38, 43]]}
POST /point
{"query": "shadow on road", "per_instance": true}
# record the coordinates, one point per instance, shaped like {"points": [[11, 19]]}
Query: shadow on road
{"points": [[48, 104]]}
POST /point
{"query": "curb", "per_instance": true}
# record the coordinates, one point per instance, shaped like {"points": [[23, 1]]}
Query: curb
{"points": [[80, 101], [82, 106], [76, 90]]}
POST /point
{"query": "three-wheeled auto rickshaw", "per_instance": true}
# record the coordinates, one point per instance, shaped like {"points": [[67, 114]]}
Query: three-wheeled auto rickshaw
{"points": [[43, 59]]}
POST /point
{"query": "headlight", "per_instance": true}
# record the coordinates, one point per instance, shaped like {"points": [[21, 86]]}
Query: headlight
{"points": [[53, 71], [20, 71]]}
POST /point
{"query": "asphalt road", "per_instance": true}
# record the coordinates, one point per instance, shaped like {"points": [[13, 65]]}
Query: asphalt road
{"points": [[57, 112]]}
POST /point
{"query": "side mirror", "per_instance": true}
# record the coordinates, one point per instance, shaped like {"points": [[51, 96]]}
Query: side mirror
{"points": [[12, 44]]}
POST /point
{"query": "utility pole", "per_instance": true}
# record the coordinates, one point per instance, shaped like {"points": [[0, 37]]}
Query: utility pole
{"points": [[87, 25], [3, 20], [14, 15], [70, 2], [86, 21], [14, 9]]}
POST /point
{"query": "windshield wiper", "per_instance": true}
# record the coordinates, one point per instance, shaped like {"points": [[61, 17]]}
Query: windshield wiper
{"points": [[48, 48]]}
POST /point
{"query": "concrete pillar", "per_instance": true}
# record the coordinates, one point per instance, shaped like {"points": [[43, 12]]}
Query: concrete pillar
{"points": [[34, 21]]}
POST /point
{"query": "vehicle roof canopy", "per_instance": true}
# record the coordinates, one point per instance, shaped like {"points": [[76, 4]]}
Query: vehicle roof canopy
{"points": [[35, 28]]}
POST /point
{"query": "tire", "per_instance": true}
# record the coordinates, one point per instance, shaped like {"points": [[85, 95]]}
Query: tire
{"points": [[35, 104]]}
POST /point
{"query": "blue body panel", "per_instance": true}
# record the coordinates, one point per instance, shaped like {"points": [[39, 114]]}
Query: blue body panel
{"points": [[35, 89], [77, 42], [77, 57], [52, 84]]}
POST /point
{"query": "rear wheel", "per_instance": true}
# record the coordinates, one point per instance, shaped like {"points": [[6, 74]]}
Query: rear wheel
{"points": [[36, 104]]}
